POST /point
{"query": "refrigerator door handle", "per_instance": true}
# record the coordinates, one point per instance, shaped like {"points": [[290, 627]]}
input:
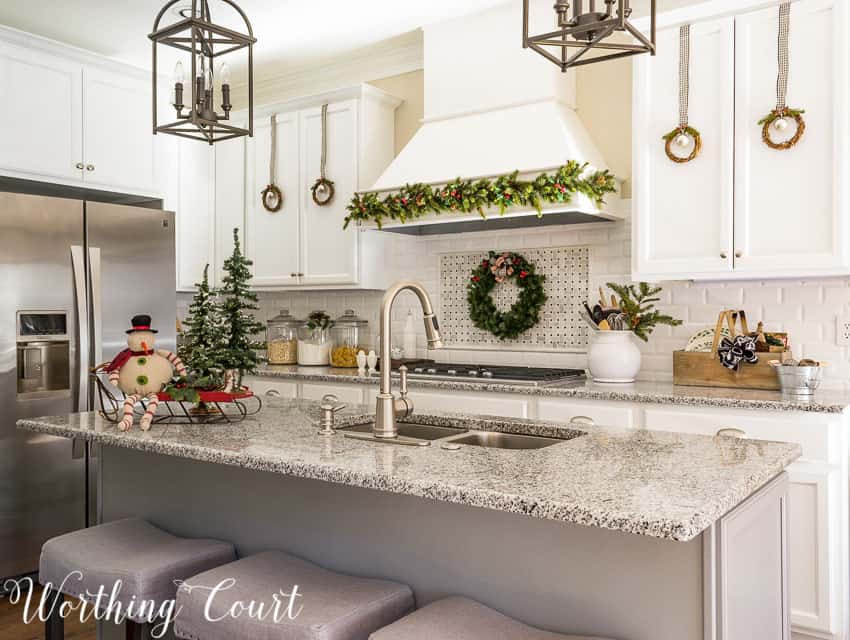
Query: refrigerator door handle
{"points": [[96, 303], [81, 361]]}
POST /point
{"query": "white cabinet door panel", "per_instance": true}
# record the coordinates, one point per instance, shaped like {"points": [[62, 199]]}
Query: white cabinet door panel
{"points": [[229, 200], [564, 410], [683, 211], [351, 393], [329, 255], [268, 387], [272, 237], [791, 206], [117, 130], [41, 121], [195, 214], [476, 403]]}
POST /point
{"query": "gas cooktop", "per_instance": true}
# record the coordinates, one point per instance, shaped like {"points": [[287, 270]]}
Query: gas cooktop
{"points": [[532, 376]]}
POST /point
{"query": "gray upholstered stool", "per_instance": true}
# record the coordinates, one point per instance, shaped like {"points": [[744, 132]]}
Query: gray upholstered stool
{"points": [[332, 606], [145, 559], [463, 619]]}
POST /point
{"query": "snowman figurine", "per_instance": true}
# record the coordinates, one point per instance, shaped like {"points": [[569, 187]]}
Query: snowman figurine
{"points": [[141, 371]]}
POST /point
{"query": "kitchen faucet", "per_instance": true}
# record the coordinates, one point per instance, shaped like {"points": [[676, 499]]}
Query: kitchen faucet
{"points": [[389, 407]]}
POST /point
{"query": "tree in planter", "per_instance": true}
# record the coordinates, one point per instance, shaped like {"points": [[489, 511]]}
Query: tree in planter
{"points": [[205, 338], [237, 304], [638, 303]]}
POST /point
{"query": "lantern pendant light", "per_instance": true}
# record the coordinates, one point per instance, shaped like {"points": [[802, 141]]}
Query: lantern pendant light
{"points": [[589, 27], [204, 43]]}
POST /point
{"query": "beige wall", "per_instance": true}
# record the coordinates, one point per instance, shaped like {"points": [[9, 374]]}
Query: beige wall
{"points": [[410, 87]]}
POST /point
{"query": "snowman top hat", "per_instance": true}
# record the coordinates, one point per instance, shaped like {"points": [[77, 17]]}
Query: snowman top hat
{"points": [[141, 323]]}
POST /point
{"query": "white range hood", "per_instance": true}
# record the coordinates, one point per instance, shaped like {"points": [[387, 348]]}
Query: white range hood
{"points": [[492, 108]]}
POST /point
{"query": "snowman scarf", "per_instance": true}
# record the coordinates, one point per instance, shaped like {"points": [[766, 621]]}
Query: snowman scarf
{"points": [[121, 359], [732, 351]]}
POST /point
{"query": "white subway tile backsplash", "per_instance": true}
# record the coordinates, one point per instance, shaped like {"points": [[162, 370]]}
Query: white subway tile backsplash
{"points": [[807, 309]]}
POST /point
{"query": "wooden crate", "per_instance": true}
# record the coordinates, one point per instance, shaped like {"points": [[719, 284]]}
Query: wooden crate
{"points": [[703, 369]]}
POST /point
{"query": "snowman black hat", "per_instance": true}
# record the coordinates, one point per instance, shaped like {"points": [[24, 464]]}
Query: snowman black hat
{"points": [[141, 323]]}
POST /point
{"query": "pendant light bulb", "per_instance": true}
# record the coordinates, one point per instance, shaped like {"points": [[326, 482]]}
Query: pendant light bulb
{"points": [[224, 73], [199, 66], [179, 75]]}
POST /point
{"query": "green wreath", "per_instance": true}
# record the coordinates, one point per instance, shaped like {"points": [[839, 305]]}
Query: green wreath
{"points": [[524, 314]]}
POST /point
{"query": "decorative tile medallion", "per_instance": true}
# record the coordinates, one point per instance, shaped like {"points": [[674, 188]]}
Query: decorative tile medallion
{"points": [[567, 272]]}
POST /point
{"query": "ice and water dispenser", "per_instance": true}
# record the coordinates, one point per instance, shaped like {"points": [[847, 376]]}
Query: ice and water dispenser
{"points": [[44, 351]]}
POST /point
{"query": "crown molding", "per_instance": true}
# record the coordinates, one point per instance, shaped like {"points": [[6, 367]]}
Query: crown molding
{"points": [[393, 57]]}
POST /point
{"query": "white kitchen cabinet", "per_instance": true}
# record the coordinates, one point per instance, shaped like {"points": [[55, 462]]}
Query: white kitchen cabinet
{"points": [[272, 238], [791, 207], [74, 118], [329, 254], [229, 201], [269, 387], [601, 413], [424, 400], [817, 506], [118, 143], [741, 209], [304, 245], [194, 216], [41, 121], [349, 393], [683, 212]]}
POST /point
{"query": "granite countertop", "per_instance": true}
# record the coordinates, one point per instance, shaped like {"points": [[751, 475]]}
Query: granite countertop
{"points": [[665, 485], [650, 392]]}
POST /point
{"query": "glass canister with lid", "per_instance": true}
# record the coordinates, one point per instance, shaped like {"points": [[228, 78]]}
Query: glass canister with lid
{"points": [[282, 338], [348, 336], [314, 340]]}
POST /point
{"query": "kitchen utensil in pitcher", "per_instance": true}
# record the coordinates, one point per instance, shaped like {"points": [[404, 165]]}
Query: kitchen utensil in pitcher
{"points": [[272, 196], [323, 189]]}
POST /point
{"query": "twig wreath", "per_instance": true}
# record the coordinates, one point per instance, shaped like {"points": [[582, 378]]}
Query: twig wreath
{"points": [[465, 196], [524, 314]]}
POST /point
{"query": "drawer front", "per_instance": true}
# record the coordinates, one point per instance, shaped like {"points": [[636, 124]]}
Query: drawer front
{"points": [[351, 393], [813, 433], [601, 413], [262, 387], [476, 403]]}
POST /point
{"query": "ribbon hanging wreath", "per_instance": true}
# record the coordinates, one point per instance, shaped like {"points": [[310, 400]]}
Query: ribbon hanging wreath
{"points": [[684, 135], [498, 268], [778, 118]]}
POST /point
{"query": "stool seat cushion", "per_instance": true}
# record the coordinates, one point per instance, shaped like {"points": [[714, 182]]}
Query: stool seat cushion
{"points": [[146, 560], [329, 606], [458, 618]]}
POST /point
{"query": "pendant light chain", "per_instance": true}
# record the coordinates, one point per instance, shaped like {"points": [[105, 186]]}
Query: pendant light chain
{"points": [[684, 73], [324, 140], [782, 76]]}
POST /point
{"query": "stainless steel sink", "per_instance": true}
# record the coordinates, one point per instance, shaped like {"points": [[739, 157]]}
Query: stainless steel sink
{"points": [[408, 433], [496, 440]]}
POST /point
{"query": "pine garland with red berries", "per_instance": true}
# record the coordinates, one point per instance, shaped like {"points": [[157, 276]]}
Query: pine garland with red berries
{"points": [[524, 314], [465, 196]]}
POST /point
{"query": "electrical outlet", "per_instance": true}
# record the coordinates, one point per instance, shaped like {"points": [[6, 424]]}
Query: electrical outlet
{"points": [[842, 331]]}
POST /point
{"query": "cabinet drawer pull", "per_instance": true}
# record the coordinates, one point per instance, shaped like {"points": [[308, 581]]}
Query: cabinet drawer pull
{"points": [[739, 254], [723, 254], [79, 166], [273, 393], [89, 167], [585, 420], [732, 432]]}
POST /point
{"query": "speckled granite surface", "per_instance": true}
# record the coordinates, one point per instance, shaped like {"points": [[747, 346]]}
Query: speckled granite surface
{"points": [[651, 392], [665, 485]]}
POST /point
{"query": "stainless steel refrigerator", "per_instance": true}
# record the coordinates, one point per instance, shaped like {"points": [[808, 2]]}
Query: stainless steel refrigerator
{"points": [[72, 274]]}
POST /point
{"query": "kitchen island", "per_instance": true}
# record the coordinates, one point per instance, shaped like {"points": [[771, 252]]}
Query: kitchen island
{"points": [[632, 534]]}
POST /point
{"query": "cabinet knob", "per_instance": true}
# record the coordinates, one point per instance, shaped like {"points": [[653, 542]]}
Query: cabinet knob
{"points": [[723, 254], [293, 275], [739, 253], [732, 432], [89, 167], [80, 166], [300, 275]]}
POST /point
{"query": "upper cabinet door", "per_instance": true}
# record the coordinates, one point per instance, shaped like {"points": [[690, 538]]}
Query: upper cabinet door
{"points": [[791, 206], [272, 237], [194, 216], [41, 120], [229, 199], [683, 211], [329, 255], [119, 152]]}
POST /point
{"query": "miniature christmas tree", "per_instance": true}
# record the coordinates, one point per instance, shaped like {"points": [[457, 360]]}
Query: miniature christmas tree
{"points": [[205, 337], [237, 304]]}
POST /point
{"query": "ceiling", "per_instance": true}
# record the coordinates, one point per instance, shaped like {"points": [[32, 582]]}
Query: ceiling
{"points": [[294, 32]]}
